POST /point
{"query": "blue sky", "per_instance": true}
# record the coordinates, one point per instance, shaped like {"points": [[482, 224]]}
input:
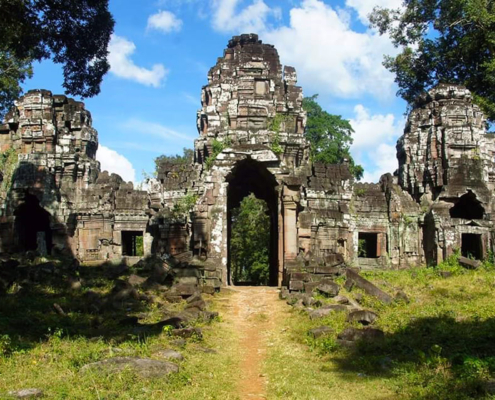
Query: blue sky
{"points": [[162, 49]]}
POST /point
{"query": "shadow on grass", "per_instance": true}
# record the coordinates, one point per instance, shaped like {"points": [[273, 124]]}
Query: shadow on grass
{"points": [[431, 358], [103, 307]]}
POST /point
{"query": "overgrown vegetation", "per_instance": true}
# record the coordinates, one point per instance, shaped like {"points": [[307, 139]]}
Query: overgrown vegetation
{"points": [[250, 241], [8, 162], [73, 33], [449, 41], [186, 158], [184, 206], [275, 125], [362, 248], [438, 346], [43, 349], [330, 136], [217, 147]]}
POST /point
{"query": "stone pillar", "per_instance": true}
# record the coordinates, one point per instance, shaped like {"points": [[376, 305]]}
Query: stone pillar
{"points": [[147, 242], [280, 244], [290, 198]]}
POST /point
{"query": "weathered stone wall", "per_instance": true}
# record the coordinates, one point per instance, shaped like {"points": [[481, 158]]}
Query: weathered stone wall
{"points": [[251, 140], [55, 165], [446, 158]]}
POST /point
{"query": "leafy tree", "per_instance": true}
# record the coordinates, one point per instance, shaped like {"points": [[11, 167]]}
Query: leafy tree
{"points": [[330, 136], [186, 158], [449, 41], [250, 241], [74, 33]]}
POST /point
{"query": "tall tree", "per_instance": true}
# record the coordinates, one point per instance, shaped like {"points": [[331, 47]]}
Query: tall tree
{"points": [[250, 241], [187, 157], [74, 33], [450, 41], [330, 136]]}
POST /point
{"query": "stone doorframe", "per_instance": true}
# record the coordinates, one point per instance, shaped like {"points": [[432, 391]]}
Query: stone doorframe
{"points": [[284, 214]]}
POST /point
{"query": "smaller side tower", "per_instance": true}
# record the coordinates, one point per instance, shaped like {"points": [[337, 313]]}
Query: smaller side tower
{"points": [[446, 162]]}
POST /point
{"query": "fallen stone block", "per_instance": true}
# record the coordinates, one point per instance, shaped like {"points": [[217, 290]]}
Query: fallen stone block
{"points": [[310, 287], [187, 333], [341, 299], [26, 393], [283, 294], [351, 335], [320, 332], [364, 317], [328, 288], [355, 279], [169, 354], [469, 263], [324, 269], [136, 280], [296, 285], [327, 310]]}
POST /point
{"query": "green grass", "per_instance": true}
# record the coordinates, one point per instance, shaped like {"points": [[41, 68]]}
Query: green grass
{"points": [[438, 346], [42, 349]]}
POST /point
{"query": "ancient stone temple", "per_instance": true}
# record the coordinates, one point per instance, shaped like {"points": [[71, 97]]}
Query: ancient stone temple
{"points": [[251, 139]]}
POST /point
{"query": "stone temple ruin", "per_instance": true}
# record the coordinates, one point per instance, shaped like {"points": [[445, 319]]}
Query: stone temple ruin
{"points": [[54, 198]]}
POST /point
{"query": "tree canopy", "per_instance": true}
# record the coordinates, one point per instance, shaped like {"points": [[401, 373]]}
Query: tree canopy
{"points": [[250, 241], [449, 41], [330, 136], [74, 33], [187, 157]]}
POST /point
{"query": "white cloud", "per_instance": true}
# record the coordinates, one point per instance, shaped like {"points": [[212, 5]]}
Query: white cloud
{"points": [[154, 129], [121, 65], [116, 163], [385, 161], [251, 19], [365, 7], [374, 142], [329, 56], [370, 130], [164, 21]]}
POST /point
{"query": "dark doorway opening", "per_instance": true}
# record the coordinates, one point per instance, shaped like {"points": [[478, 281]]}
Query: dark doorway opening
{"points": [[32, 226], [132, 243], [368, 245], [471, 246], [250, 177], [468, 207]]}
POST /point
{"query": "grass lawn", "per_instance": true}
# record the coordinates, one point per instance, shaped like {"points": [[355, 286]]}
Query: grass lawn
{"points": [[43, 349], [440, 345]]}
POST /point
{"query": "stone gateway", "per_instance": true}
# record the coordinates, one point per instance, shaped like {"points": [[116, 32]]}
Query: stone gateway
{"points": [[251, 124]]}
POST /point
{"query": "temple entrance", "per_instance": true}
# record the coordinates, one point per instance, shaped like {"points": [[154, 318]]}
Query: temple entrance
{"points": [[471, 246], [252, 190], [32, 226]]}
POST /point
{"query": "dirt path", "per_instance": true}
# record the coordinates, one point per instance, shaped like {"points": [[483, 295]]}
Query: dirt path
{"points": [[254, 315]]}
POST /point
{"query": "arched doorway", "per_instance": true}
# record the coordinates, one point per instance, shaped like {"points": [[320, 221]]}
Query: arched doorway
{"points": [[32, 226], [246, 178]]}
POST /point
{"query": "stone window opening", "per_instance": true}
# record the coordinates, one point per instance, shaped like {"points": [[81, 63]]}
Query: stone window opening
{"points": [[367, 245], [32, 226], [467, 207], [132, 244], [471, 246]]}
